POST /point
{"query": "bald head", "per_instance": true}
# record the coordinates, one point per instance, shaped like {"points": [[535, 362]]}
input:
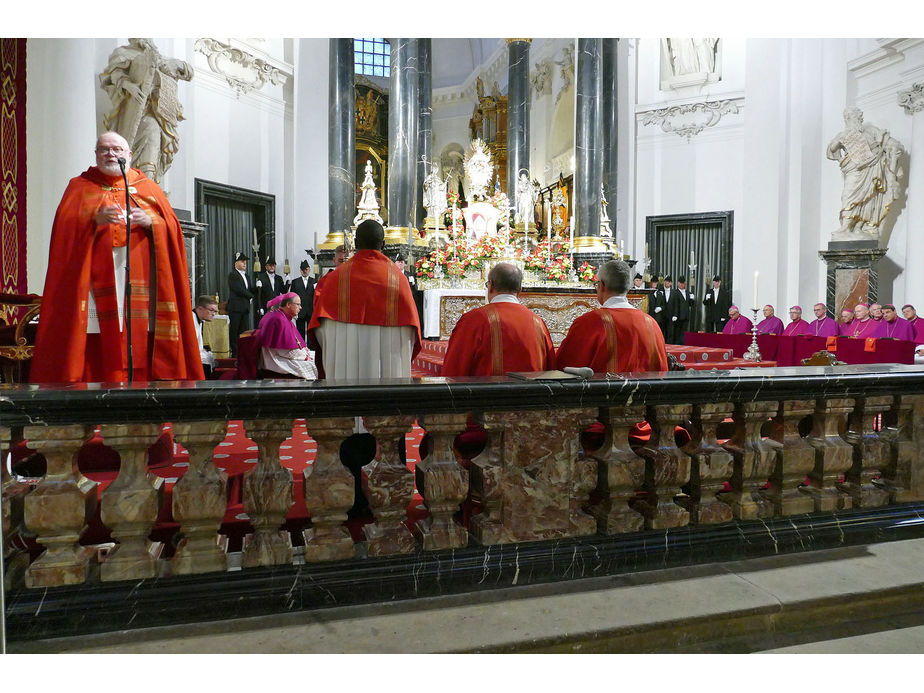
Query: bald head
{"points": [[110, 146], [370, 236], [505, 278]]}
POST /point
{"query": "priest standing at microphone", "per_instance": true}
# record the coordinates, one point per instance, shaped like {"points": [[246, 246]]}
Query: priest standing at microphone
{"points": [[82, 327]]}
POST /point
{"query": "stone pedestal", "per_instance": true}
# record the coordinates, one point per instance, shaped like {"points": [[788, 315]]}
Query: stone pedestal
{"points": [[130, 504], [389, 487], [199, 500], [58, 509], [852, 275], [328, 492]]}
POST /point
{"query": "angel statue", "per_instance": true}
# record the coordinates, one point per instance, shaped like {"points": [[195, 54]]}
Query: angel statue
{"points": [[479, 169], [527, 194], [434, 192]]}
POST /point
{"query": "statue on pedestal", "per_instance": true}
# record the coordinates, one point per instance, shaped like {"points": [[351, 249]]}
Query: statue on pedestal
{"points": [[368, 207], [605, 230], [142, 86], [527, 194], [479, 169], [434, 195], [869, 160]]}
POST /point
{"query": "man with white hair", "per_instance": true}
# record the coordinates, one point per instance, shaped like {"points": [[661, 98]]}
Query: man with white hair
{"points": [[82, 331]]}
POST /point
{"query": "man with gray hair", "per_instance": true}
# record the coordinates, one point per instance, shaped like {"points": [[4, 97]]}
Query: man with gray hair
{"points": [[502, 336], [616, 338]]}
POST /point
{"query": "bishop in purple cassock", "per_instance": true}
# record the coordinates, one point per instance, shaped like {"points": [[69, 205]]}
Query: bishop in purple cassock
{"points": [[893, 327], [862, 326], [770, 324], [823, 326], [737, 323], [798, 326]]}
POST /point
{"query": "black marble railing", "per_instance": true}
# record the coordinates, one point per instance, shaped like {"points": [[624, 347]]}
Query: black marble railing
{"points": [[725, 464]]}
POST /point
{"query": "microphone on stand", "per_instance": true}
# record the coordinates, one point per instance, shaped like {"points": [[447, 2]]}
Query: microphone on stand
{"points": [[128, 272]]}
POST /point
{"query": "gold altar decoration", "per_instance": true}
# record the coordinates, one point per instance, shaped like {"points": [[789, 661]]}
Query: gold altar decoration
{"points": [[489, 123]]}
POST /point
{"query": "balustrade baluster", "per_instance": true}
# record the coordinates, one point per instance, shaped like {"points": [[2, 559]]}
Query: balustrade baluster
{"points": [[486, 472], [667, 467], [620, 472], [129, 506], [58, 509], [200, 500], [903, 429], [329, 492], [755, 461], [870, 452], [712, 465], [389, 487], [267, 495], [13, 493], [796, 460], [833, 454], [443, 483]]}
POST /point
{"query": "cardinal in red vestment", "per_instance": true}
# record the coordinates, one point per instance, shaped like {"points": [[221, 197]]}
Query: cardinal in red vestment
{"points": [[503, 336], [81, 333], [617, 338]]}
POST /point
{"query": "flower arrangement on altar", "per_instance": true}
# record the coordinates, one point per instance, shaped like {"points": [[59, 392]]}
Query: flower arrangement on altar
{"points": [[587, 272]]}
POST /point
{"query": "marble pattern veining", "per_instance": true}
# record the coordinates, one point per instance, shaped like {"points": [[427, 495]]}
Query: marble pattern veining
{"points": [[588, 138], [403, 120], [329, 491], [870, 452], [443, 483], [667, 467], [517, 114], [712, 464], [267, 495], [796, 459], [341, 136], [620, 473], [755, 461], [833, 454], [389, 486]]}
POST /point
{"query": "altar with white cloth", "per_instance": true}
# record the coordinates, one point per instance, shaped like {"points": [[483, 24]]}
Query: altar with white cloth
{"points": [[558, 307]]}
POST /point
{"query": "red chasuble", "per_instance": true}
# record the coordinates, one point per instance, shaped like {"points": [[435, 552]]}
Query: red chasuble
{"points": [[164, 345], [496, 339], [614, 340], [367, 289], [796, 328]]}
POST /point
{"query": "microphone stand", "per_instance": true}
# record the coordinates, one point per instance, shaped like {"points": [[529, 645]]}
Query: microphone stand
{"points": [[128, 272]]}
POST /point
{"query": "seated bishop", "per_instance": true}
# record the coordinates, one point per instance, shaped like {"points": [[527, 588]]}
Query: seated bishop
{"points": [[737, 323], [502, 336], [616, 338], [770, 324], [797, 325], [283, 352]]}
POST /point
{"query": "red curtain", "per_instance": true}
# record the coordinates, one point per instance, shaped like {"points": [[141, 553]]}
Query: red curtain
{"points": [[13, 165]]}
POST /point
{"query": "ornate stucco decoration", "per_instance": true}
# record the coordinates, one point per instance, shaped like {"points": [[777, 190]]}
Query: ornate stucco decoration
{"points": [[689, 119], [912, 100], [541, 79], [242, 71], [567, 69]]}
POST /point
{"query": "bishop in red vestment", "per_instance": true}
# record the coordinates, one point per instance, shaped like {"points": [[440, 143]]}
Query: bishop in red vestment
{"points": [[81, 333], [617, 338], [737, 323], [502, 336], [798, 326]]}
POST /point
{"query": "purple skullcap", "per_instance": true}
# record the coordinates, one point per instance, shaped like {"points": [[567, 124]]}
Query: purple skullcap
{"points": [[847, 310], [735, 307], [799, 308], [273, 302], [769, 306]]}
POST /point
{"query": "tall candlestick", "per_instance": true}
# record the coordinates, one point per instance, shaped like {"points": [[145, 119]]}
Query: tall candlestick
{"points": [[692, 259], [548, 218], [756, 304]]}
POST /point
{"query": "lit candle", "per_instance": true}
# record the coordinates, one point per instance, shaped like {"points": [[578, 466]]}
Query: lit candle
{"points": [[756, 305], [692, 262]]}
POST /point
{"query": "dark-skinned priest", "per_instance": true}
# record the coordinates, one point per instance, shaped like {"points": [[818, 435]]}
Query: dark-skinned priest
{"points": [[617, 337], [82, 333], [502, 336]]}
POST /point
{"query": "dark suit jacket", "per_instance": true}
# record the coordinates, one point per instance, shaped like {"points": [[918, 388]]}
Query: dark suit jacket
{"points": [[717, 304], [269, 290], [656, 300], [241, 294], [305, 293]]}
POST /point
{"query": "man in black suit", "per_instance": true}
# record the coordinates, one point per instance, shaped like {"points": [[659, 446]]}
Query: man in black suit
{"points": [[656, 302], [717, 302], [269, 286], [686, 311], [303, 285], [674, 308], [241, 294]]}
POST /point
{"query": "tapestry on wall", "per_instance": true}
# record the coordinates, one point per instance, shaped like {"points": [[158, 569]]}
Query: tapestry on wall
{"points": [[13, 165]]}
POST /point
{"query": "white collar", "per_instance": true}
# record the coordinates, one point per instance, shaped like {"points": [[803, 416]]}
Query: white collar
{"points": [[617, 302], [505, 298]]}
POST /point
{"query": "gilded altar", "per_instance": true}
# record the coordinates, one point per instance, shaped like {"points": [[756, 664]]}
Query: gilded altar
{"points": [[557, 307]]}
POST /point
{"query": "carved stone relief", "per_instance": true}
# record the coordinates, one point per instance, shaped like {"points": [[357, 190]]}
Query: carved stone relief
{"points": [[541, 79], [242, 71], [912, 100], [689, 119], [567, 69]]}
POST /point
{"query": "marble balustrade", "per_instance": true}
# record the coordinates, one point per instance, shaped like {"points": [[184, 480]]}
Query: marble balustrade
{"points": [[722, 447]]}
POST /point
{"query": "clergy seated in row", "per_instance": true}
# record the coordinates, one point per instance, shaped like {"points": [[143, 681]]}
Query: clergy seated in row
{"points": [[616, 338], [737, 323], [770, 324], [365, 323], [502, 336], [823, 325], [846, 324], [862, 326], [283, 352], [916, 323], [797, 326], [875, 312], [893, 327]]}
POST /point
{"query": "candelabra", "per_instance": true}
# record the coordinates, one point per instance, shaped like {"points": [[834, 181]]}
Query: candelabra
{"points": [[438, 274], [753, 352]]}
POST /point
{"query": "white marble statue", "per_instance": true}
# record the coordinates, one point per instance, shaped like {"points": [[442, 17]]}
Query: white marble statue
{"points": [[527, 194], [142, 86], [604, 217], [691, 55], [869, 161], [479, 169], [368, 207], [434, 192]]}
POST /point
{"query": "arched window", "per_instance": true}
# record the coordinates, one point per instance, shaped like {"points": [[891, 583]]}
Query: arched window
{"points": [[372, 57]]}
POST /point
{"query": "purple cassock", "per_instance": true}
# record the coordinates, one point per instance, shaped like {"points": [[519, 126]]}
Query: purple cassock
{"points": [[897, 329], [918, 326], [845, 329], [739, 325], [861, 329], [795, 328], [771, 325], [824, 327], [278, 331]]}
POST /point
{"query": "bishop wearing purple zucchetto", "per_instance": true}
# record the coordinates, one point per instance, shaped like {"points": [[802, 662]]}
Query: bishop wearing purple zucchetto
{"points": [[823, 326], [798, 326], [737, 323], [770, 324], [862, 326]]}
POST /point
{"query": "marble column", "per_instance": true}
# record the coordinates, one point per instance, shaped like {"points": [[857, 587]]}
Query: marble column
{"points": [[517, 113], [912, 100], [609, 119], [588, 148], [425, 127], [403, 116], [341, 140]]}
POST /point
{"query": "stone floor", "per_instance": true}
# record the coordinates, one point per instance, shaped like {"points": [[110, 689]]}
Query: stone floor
{"points": [[861, 599]]}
